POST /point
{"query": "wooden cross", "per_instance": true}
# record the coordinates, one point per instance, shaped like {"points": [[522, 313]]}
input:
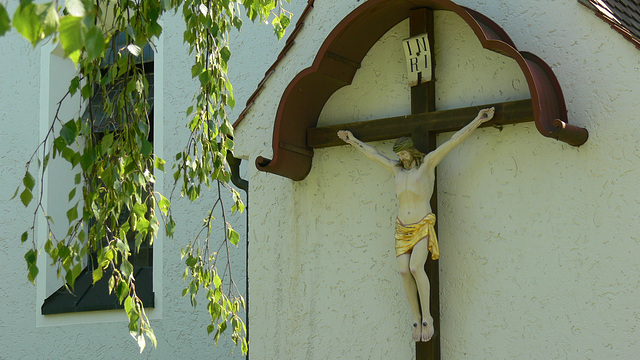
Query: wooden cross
{"points": [[424, 122]]}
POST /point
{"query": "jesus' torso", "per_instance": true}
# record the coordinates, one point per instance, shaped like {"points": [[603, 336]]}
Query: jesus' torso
{"points": [[414, 188]]}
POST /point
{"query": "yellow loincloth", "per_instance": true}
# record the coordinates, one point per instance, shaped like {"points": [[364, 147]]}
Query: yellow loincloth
{"points": [[407, 236]]}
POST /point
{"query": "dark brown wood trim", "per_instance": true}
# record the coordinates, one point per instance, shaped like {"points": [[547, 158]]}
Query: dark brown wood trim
{"points": [[296, 149]]}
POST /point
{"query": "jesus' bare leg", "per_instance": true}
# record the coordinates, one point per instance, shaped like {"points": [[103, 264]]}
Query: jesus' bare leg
{"points": [[416, 266], [417, 287], [411, 290]]}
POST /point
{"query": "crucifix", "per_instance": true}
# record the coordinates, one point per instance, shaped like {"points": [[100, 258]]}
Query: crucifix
{"points": [[296, 135], [423, 134]]}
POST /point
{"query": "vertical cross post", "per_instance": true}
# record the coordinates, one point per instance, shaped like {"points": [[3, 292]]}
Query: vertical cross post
{"points": [[423, 99]]}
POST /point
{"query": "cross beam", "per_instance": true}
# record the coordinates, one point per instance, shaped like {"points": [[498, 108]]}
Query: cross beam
{"points": [[512, 112]]}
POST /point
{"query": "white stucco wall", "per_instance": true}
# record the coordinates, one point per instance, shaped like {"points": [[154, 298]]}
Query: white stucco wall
{"points": [[181, 330], [539, 239]]}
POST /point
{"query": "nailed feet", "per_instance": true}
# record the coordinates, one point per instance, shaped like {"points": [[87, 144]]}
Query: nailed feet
{"points": [[422, 331], [427, 329], [417, 332]]}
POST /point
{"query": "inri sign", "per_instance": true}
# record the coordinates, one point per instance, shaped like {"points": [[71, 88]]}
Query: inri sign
{"points": [[418, 54]]}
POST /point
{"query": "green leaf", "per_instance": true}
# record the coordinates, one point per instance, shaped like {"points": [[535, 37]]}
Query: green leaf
{"points": [[128, 304], [225, 53], [195, 71], [147, 148], [142, 224], [231, 102], [49, 17], [69, 132], [86, 160], [63, 251], [72, 194], [133, 321], [105, 144], [170, 228], [26, 197], [234, 237], [26, 22], [72, 35], [228, 144], [159, 163], [155, 29], [31, 256], [112, 283], [15, 193], [97, 274], [122, 291], [226, 128], [280, 25], [75, 7], [33, 272], [24, 237], [284, 21], [130, 30], [191, 261], [72, 213], [123, 247], [28, 181], [75, 56], [94, 43], [87, 91], [74, 85], [164, 204], [35, 22], [59, 144], [126, 268], [73, 275], [140, 90], [140, 209], [5, 22]]}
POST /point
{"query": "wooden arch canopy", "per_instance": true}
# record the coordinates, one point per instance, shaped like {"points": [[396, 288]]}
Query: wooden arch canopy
{"points": [[339, 59]]}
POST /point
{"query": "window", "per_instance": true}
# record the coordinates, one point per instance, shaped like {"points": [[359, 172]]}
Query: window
{"points": [[87, 296]]}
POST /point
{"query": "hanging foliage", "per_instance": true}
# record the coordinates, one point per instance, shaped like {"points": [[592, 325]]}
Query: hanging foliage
{"points": [[114, 208]]}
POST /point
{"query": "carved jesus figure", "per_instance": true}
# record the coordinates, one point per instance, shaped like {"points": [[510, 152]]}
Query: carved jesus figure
{"points": [[415, 235]]}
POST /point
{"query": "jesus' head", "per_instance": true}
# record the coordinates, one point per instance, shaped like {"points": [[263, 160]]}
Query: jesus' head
{"points": [[408, 155]]}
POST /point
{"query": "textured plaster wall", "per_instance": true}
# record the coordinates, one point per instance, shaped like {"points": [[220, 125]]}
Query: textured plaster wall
{"points": [[181, 330], [539, 239]]}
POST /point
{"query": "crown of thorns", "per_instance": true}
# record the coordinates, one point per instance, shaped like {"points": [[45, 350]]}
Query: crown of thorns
{"points": [[404, 143]]}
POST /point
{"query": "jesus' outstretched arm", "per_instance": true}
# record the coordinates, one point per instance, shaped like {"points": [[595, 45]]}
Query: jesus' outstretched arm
{"points": [[368, 150], [435, 157]]}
